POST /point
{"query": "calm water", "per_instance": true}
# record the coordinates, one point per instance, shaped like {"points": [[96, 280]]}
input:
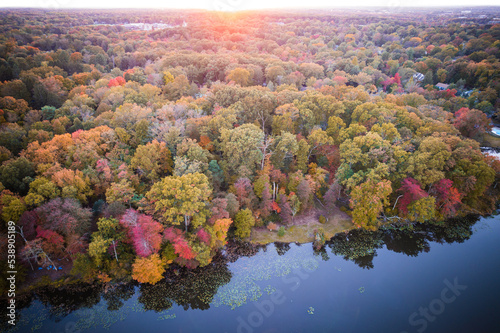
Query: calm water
{"points": [[429, 280]]}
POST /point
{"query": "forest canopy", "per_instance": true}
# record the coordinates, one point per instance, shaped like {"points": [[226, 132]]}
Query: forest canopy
{"points": [[135, 140]]}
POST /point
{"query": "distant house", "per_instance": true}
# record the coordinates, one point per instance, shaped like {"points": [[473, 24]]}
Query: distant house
{"points": [[466, 93], [418, 77], [442, 86]]}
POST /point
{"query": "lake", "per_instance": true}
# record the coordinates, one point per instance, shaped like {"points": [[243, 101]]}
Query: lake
{"points": [[430, 279]]}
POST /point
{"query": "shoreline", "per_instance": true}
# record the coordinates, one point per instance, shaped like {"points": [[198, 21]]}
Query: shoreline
{"points": [[233, 250], [302, 229]]}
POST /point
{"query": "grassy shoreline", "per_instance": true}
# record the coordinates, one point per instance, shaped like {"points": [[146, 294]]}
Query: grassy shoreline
{"points": [[489, 140], [301, 230]]}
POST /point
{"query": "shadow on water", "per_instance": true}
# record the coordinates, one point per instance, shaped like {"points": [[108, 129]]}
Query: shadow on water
{"points": [[360, 246], [190, 289]]}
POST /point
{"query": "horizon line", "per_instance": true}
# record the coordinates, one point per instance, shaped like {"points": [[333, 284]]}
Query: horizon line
{"points": [[261, 9]]}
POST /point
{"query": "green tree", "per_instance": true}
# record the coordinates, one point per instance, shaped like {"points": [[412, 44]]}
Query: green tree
{"points": [[303, 155], [335, 125], [422, 210], [175, 200], [109, 233], [98, 248], [428, 163], [244, 221], [16, 174], [240, 147]]}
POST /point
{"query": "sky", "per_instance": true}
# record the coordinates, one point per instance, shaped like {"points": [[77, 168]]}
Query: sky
{"points": [[235, 5]]}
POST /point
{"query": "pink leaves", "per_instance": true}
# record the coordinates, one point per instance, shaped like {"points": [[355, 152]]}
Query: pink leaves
{"points": [[183, 249], [448, 197], [129, 219], [144, 232], [203, 235], [181, 245], [411, 192], [147, 236]]}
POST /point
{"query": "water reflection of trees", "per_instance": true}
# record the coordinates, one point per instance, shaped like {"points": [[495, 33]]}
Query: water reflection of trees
{"points": [[281, 248], [190, 289], [117, 295], [62, 301], [237, 249], [360, 245]]}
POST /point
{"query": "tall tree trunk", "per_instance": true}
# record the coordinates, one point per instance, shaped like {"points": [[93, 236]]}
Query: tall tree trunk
{"points": [[186, 222], [114, 249]]}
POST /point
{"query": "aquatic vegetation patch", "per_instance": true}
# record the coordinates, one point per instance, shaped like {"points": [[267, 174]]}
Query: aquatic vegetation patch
{"points": [[270, 290], [245, 283], [166, 315]]}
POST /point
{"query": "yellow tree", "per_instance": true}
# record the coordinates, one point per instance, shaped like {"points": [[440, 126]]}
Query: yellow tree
{"points": [[368, 200], [239, 75], [148, 270], [152, 160], [428, 164], [220, 228], [167, 77], [335, 125]]}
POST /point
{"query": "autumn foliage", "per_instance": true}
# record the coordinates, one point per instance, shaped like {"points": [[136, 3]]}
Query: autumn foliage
{"points": [[411, 192], [117, 81], [148, 270], [149, 148]]}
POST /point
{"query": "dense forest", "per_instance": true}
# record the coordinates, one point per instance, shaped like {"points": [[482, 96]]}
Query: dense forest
{"points": [[135, 141]]}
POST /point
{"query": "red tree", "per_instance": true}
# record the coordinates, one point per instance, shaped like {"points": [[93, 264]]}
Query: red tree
{"points": [[52, 241], [65, 216], [447, 197], [471, 123], [180, 244], [245, 193], [27, 224], [118, 81], [286, 210], [304, 193], [266, 202], [389, 82], [332, 195], [411, 191], [143, 231], [203, 236]]}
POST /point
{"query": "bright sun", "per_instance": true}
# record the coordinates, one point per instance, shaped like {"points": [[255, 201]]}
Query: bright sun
{"points": [[236, 5]]}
